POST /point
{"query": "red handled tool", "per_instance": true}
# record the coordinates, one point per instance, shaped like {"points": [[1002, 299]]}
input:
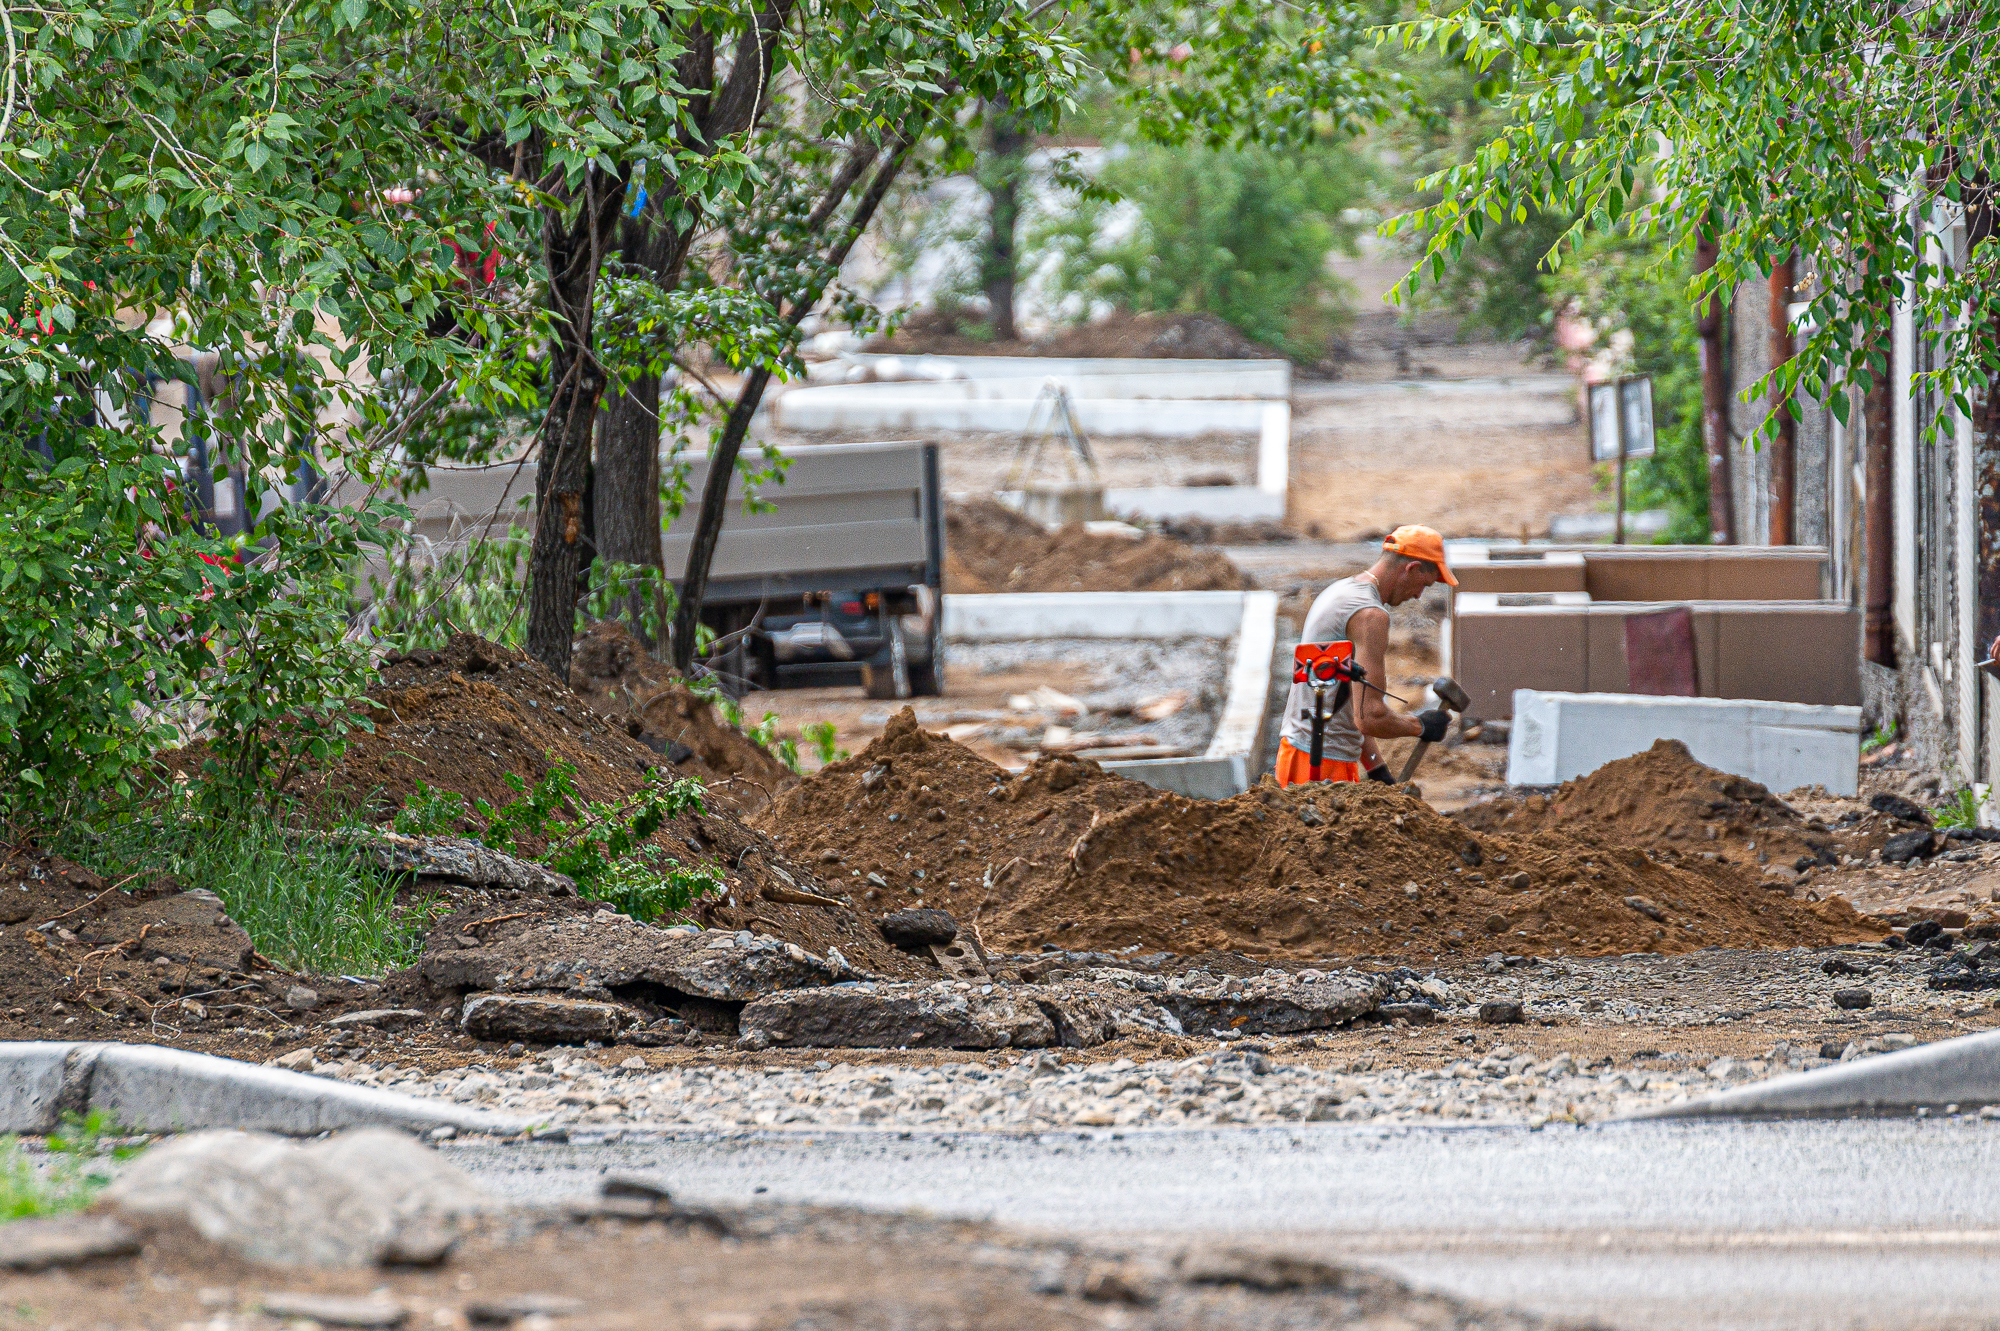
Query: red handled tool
{"points": [[1323, 665]]}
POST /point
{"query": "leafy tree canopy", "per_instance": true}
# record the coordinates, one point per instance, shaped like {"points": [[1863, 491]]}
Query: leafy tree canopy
{"points": [[1832, 133]]}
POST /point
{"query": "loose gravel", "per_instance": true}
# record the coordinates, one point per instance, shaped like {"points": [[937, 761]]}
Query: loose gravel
{"points": [[1040, 1093]]}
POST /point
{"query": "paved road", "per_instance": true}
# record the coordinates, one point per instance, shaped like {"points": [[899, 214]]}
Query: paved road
{"points": [[1867, 1224]]}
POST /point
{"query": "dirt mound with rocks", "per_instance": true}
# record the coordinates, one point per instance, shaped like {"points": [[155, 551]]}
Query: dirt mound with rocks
{"points": [[467, 717], [1194, 336], [991, 548], [1068, 854], [617, 675], [1665, 797]]}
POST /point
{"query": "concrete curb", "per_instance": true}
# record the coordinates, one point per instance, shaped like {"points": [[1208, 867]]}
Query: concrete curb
{"points": [[147, 1088], [1964, 1071]]}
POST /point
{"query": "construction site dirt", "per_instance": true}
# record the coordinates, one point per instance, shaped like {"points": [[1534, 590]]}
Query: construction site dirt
{"points": [[994, 549], [1066, 853], [1062, 873]]}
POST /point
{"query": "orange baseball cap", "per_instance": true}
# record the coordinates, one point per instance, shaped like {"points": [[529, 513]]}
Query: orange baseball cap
{"points": [[1420, 543]]}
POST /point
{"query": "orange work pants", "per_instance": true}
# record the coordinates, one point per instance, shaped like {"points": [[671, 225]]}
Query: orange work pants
{"points": [[1295, 767]]}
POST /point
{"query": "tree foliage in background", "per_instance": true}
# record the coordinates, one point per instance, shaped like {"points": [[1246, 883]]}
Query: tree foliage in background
{"points": [[1243, 234], [1829, 133], [1622, 287]]}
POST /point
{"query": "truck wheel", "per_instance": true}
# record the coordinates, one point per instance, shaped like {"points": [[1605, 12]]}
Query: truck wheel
{"points": [[927, 678]]}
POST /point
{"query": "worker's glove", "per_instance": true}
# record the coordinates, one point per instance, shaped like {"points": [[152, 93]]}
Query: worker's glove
{"points": [[1435, 722], [1380, 772]]}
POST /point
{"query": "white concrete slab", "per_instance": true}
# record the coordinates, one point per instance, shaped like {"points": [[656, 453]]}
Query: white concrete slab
{"points": [[960, 408], [1160, 377], [1212, 503], [1782, 745], [1022, 616], [1239, 732], [1250, 618]]}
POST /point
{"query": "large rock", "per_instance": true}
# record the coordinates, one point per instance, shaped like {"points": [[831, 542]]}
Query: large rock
{"points": [[896, 1016], [918, 927], [949, 1016], [355, 1199], [542, 1019], [604, 954], [1273, 1005]]}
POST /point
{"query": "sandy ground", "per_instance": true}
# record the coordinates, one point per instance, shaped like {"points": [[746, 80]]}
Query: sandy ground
{"points": [[1475, 439]]}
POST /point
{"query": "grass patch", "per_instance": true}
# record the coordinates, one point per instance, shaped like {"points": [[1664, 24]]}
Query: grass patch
{"points": [[307, 904], [1960, 810], [64, 1180]]}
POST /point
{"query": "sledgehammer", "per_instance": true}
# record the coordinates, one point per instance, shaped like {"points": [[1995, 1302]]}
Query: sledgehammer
{"points": [[1447, 691]]}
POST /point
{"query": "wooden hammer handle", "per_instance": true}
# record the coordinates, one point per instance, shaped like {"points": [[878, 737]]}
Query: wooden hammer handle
{"points": [[1416, 756]]}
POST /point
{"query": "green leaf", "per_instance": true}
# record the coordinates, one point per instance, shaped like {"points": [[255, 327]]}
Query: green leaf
{"points": [[222, 20]]}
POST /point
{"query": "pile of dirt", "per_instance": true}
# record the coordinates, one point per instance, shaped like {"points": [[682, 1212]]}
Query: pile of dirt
{"points": [[991, 548], [1066, 853], [1153, 336], [618, 677], [1665, 797]]}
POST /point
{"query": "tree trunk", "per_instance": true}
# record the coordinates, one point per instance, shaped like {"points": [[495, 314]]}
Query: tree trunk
{"points": [[1878, 424], [1784, 444], [1007, 152], [572, 252], [628, 487], [1715, 408], [560, 481]]}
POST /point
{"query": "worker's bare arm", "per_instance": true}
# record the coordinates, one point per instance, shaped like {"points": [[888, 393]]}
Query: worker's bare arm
{"points": [[1370, 630]]}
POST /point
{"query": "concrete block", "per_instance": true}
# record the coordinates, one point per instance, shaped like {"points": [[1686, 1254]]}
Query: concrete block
{"points": [[1496, 649], [1480, 569], [152, 1089], [1964, 1071], [31, 1083], [1557, 736], [1197, 778]]}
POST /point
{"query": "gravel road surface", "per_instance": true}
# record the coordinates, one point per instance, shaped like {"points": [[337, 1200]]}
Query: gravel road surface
{"points": [[1860, 1224]]}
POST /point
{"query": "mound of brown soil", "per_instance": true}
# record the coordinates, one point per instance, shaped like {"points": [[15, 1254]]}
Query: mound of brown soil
{"points": [[1665, 798], [618, 677], [1172, 336], [991, 548], [1067, 853]]}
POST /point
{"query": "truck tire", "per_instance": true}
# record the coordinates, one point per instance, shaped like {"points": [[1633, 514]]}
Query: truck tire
{"points": [[927, 677]]}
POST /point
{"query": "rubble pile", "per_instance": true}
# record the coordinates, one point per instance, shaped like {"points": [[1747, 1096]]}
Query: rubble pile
{"points": [[1066, 853], [991, 548]]}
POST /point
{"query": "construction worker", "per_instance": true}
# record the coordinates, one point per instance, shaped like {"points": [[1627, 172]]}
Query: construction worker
{"points": [[1356, 610]]}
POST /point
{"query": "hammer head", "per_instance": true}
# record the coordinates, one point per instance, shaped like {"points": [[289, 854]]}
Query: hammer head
{"points": [[1450, 694]]}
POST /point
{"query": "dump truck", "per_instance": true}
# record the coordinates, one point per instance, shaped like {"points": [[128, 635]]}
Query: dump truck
{"points": [[836, 577]]}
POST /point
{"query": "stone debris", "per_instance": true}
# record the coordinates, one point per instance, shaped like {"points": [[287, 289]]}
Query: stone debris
{"points": [[367, 1311], [542, 1019], [1039, 1092], [42, 1242], [460, 860], [592, 955], [515, 1307], [381, 1018], [350, 1200]]}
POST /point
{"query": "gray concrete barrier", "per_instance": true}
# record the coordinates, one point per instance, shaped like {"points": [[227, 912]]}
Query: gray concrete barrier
{"points": [[148, 1088], [1964, 1072]]}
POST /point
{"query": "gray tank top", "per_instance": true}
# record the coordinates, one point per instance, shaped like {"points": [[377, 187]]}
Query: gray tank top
{"points": [[1327, 622]]}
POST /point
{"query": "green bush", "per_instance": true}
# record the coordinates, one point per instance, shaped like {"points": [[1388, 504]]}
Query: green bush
{"points": [[124, 629], [1622, 286], [1240, 234], [605, 848]]}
